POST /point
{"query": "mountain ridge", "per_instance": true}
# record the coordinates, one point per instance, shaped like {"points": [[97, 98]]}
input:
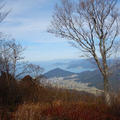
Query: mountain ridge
{"points": [[94, 78], [58, 72]]}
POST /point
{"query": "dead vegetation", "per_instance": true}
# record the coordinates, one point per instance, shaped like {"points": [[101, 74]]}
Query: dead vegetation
{"points": [[28, 100]]}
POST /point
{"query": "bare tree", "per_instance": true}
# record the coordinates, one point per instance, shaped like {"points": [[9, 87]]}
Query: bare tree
{"points": [[3, 12], [35, 71], [92, 26], [11, 54], [16, 55]]}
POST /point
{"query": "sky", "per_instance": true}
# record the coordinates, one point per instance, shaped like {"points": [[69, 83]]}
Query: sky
{"points": [[28, 22]]}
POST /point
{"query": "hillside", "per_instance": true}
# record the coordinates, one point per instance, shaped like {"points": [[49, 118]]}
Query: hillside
{"points": [[92, 78], [58, 73]]}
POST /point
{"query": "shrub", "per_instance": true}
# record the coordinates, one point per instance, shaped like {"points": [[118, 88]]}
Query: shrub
{"points": [[65, 111]]}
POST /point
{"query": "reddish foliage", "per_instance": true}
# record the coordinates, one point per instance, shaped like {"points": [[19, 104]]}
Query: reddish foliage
{"points": [[82, 111], [67, 111]]}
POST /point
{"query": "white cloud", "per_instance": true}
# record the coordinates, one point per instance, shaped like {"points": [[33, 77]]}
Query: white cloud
{"points": [[20, 26], [19, 6], [23, 25], [33, 30]]}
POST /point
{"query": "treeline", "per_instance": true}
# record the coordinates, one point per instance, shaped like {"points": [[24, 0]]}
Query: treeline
{"points": [[29, 90], [27, 98]]}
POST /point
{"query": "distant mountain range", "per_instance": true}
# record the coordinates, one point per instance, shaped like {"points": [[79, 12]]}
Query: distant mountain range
{"points": [[94, 78], [72, 65]]}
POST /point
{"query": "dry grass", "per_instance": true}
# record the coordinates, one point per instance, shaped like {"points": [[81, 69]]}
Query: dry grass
{"points": [[59, 110], [36, 102], [90, 109]]}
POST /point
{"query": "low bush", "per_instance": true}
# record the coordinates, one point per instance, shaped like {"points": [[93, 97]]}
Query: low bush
{"points": [[65, 111]]}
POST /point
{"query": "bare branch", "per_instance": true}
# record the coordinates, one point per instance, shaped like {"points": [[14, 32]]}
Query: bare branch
{"points": [[92, 25]]}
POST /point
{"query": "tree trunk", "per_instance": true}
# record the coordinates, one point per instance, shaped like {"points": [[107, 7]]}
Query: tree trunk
{"points": [[106, 90]]}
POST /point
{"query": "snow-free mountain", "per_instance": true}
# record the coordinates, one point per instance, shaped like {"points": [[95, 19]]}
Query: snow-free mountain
{"points": [[91, 78], [58, 73]]}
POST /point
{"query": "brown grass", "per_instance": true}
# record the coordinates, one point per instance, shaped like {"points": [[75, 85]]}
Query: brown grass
{"points": [[65, 111], [29, 101]]}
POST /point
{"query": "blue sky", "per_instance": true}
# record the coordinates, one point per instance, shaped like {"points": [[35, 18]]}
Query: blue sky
{"points": [[28, 22]]}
